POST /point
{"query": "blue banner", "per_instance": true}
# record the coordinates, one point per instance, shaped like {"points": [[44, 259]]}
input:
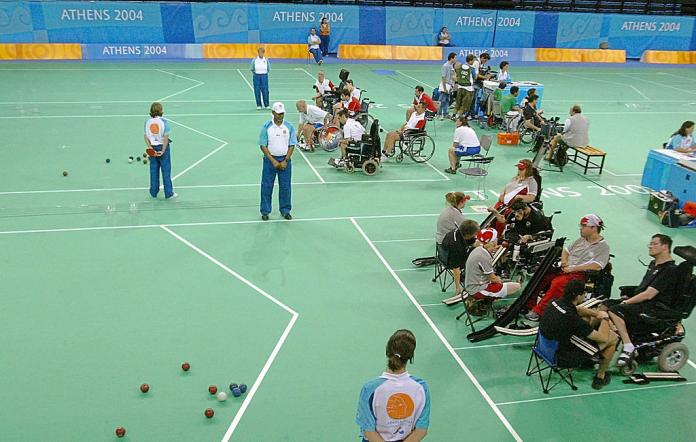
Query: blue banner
{"points": [[497, 54], [410, 27], [16, 23], [139, 51], [638, 33], [470, 27], [514, 29]]}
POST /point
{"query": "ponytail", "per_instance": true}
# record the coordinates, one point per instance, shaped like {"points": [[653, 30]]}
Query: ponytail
{"points": [[400, 349], [454, 199]]}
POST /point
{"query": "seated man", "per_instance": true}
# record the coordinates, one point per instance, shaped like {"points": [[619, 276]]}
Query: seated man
{"points": [[466, 143], [509, 102], [652, 297], [480, 280], [352, 132], [564, 319], [347, 102], [575, 132], [354, 91], [526, 221], [458, 243], [425, 98], [532, 119], [416, 122], [589, 252], [322, 86], [311, 119]]}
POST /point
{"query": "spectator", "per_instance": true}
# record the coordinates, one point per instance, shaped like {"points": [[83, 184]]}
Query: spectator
{"points": [[382, 413], [313, 42], [465, 86], [260, 66], [575, 132], [444, 37], [421, 96], [683, 139], [451, 216], [446, 84], [504, 74], [325, 36]]}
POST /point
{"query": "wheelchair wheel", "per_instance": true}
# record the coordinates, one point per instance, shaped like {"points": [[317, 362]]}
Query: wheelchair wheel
{"points": [[421, 149], [370, 167], [527, 136], [673, 357], [329, 138], [349, 167], [629, 369], [399, 157]]}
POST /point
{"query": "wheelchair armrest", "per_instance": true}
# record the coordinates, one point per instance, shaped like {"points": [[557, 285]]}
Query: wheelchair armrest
{"points": [[411, 132]]}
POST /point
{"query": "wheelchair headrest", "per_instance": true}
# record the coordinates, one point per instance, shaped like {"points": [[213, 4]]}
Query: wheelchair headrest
{"points": [[374, 129], [688, 253]]}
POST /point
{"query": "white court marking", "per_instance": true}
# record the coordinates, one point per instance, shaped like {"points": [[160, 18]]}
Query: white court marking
{"points": [[197, 84], [439, 334], [276, 349], [415, 79], [245, 80], [205, 157], [311, 166], [507, 344]]}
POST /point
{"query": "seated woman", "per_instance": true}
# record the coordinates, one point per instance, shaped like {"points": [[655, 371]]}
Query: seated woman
{"points": [[504, 73], [683, 139], [313, 41], [444, 37], [466, 143], [416, 122], [451, 216], [565, 319], [458, 244], [524, 185]]}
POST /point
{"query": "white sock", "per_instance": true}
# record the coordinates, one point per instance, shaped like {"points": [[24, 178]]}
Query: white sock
{"points": [[628, 348]]}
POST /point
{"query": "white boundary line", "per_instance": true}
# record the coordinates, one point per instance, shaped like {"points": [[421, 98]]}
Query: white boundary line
{"points": [[684, 90], [198, 83], [570, 396], [563, 74], [438, 171], [310, 75], [311, 166], [507, 344], [438, 304], [245, 80], [6, 103], [415, 79], [691, 363], [180, 92], [276, 349], [126, 69], [413, 269], [403, 240], [621, 174], [248, 114], [439, 334]]}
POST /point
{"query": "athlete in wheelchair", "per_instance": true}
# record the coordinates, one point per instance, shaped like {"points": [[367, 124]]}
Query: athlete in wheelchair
{"points": [[312, 121], [411, 140], [361, 153], [649, 316]]}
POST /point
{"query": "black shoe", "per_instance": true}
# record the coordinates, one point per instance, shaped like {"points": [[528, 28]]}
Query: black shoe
{"points": [[287, 216], [264, 217], [598, 383]]}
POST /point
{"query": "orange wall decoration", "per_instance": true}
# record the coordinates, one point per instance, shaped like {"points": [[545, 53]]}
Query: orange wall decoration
{"points": [[670, 57], [249, 50], [41, 51], [386, 52], [580, 55]]}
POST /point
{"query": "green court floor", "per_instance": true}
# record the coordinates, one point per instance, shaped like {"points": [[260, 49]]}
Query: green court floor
{"points": [[95, 302]]}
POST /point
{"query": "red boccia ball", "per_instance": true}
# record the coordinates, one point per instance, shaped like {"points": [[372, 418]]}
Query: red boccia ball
{"points": [[186, 366], [144, 388], [212, 389], [209, 413], [120, 432]]}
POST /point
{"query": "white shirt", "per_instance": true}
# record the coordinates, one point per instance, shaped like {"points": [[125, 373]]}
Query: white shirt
{"points": [[313, 115], [322, 88], [313, 41], [413, 121], [466, 137], [355, 93], [278, 139], [155, 130], [353, 130], [260, 65]]}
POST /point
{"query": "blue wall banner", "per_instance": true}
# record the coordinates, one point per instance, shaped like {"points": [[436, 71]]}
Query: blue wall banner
{"points": [[497, 54], [164, 23], [140, 51]]}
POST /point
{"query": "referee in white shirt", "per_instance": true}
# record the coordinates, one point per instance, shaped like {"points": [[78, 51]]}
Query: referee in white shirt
{"points": [[277, 141], [260, 66]]}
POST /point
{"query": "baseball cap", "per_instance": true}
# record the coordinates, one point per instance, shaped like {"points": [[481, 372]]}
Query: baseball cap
{"points": [[487, 235], [278, 107], [521, 166], [591, 220]]}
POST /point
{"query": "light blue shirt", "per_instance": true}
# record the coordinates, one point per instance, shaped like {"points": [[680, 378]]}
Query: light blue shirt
{"points": [[277, 139], [253, 64], [680, 141]]}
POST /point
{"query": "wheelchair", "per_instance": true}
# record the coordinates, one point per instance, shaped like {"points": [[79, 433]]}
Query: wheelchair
{"points": [[363, 117], [661, 336], [327, 137], [364, 154], [329, 100], [416, 144]]}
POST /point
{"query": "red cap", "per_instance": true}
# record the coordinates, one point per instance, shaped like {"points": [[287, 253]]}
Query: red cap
{"points": [[521, 166]]}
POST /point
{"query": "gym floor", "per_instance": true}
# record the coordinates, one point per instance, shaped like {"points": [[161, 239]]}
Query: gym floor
{"points": [[96, 302]]}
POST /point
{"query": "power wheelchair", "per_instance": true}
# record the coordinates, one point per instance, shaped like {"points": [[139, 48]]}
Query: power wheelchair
{"points": [[660, 336], [364, 154], [416, 144]]}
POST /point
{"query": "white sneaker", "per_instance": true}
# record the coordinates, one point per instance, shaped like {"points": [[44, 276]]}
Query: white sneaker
{"points": [[258, 107], [175, 195], [384, 158]]}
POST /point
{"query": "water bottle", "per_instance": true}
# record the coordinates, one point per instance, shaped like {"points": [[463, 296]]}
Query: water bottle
{"points": [[516, 253]]}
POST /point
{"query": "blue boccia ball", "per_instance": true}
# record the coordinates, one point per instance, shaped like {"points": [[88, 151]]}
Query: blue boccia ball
{"points": [[242, 388], [236, 392], [233, 386]]}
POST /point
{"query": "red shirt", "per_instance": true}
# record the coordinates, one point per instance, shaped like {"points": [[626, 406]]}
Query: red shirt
{"points": [[353, 105], [427, 100]]}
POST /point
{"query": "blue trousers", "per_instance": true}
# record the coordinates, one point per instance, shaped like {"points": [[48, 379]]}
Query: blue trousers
{"points": [[324, 46], [444, 104], [163, 163], [268, 180], [317, 54], [261, 89]]}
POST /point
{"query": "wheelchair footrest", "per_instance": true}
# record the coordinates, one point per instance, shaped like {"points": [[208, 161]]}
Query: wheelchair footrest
{"points": [[517, 332], [645, 378]]}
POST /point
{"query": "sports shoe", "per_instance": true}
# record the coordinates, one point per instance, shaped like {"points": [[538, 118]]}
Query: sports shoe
{"points": [[598, 383], [287, 216], [320, 62], [264, 217], [532, 316], [174, 195], [624, 358], [258, 107], [383, 158], [451, 171]]}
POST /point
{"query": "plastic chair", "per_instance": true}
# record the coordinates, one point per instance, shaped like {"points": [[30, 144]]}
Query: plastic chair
{"points": [[544, 356]]}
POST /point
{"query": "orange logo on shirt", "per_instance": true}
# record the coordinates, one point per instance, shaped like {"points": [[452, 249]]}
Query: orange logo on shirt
{"points": [[154, 128], [400, 406]]}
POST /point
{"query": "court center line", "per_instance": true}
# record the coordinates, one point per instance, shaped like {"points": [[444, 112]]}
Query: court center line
{"points": [[438, 171], [415, 79], [570, 396], [180, 92], [507, 344], [246, 81], [439, 334], [310, 75], [311, 166], [276, 349], [205, 157], [198, 83]]}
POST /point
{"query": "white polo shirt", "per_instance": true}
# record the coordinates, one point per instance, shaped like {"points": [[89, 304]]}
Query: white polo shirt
{"points": [[416, 121], [314, 115], [277, 138], [260, 65], [355, 93], [155, 130], [466, 137], [323, 87], [353, 130]]}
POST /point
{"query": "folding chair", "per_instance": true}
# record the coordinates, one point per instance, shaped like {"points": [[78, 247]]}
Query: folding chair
{"points": [[443, 274], [469, 320], [544, 357], [480, 164]]}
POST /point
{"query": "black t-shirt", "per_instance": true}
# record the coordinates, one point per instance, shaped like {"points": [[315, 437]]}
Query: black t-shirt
{"points": [[457, 247], [662, 278], [560, 321], [534, 223], [530, 113]]}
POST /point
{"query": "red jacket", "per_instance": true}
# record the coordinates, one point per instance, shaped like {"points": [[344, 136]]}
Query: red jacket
{"points": [[425, 98]]}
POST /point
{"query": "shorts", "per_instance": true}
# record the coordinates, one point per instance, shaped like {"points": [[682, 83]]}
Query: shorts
{"points": [[462, 151], [318, 125], [492, 290]]}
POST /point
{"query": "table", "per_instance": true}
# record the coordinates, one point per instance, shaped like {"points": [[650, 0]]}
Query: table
{"points": [[666, 169], [523, 85]]}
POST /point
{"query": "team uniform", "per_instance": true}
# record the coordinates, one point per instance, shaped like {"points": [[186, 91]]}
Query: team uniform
{"points": [[516, 187], [479, 266], [324, 87], [260, 67], [678, 141], [467, 142], [425, 98], [416, 122], [353, 130], [313, 116], [559, 323], [393, 405], [155, 130], [278, 140], [353, 106]]}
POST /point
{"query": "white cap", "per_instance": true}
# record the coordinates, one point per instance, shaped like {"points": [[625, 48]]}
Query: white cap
{"points": [[278, 107]]}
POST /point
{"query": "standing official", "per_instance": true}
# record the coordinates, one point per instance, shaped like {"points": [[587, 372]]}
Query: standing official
{"points": [[260, 66], [277, 141], [157, 139]]}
